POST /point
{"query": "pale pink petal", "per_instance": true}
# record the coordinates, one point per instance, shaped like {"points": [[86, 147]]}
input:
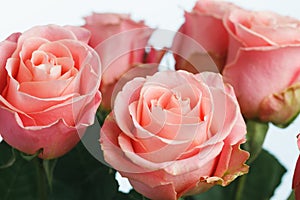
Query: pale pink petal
{"points": [[163, 192], [117, 61], [55, 140], [203, 158], [129, 93], [57, 48], [28, 47], [177, 148], [211, 35], [251, 92], [89, 66], [45, 89], [283, 34], [215, 8], [231, 163], [205, 43], [112, 152], [75, 111], [86, 115], [111, 90], [173, 167], [15, 99], [81, 34], [6, 48], [241, 21], [48, 32], [105, 25]]}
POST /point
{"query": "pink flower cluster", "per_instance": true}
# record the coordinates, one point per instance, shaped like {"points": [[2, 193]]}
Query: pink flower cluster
{"points": [[171, 133], [251, 49]]}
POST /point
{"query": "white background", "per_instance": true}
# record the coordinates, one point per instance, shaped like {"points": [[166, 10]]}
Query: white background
{"points": [[17, 16]]}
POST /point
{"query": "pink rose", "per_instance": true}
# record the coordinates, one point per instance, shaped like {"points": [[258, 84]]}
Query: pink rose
{"points": [[203, 24], [121, 43], [175, 133], [263, 64], [49, 78]]}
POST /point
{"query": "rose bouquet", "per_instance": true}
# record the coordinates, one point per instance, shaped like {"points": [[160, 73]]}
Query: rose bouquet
{"points": [[80, 104]]}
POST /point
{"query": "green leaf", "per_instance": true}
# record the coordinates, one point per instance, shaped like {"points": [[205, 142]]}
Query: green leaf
{"points": [[260, 183], [217, 193], [49, 166], [29, 157], [78, 175], [8, 156], [292, 196], [101, 114], [256, 133], [22, 180]]}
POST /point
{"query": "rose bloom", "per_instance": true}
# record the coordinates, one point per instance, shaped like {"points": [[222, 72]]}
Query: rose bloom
{"points": [[263, 64], [175, 133], [120, 42], [204, 24], [48, 89]]}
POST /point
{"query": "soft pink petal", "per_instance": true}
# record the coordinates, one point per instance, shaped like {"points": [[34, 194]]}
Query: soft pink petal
{"points": [[57, 48], [199, 160], [104, 25], [242, 21], [131, 49], [162, 192], [45, 89], [129, 93], [55, 140], [214, 7], [28, 47], [6, 48], [191, 53], [211, 35], [89, 66], [112, 152], [283, 34], [81, 34], [110, 91], [265, 65], [212, 79], [27, 103], [48, 32], [110, 30], [148, 182], [177, 147], [86, 115], [231, 163], [203, 25]]}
